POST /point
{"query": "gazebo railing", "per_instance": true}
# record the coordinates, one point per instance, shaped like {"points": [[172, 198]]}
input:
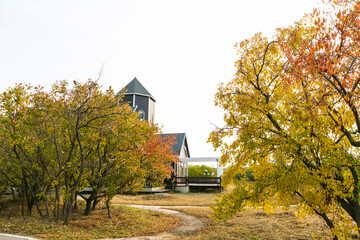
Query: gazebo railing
{"points": [[186, 181]]}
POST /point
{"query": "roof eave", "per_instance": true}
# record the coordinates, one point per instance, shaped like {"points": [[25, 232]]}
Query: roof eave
{"points": [[139, 94]]}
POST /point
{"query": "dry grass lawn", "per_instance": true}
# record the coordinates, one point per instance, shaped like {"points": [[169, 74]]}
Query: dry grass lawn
{"points": [[250, 224], [129, 222], [125, 222], [176, 199], [253, 224]]}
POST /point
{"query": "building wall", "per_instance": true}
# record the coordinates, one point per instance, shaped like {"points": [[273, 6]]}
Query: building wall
{"points": [[142, 104], [152, 111], [128, 99], [182, 167], [184, 153]]}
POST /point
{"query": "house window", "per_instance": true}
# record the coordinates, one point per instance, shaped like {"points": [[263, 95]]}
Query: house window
{"points": [[141, 115]]}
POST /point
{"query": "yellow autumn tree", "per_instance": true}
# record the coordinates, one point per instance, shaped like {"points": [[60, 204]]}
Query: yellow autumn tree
{"points": [[291, 115], [69, 138]]}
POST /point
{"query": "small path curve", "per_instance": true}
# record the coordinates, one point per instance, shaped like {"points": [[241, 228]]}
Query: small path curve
{"points": [[5, 236], [189, 224]]}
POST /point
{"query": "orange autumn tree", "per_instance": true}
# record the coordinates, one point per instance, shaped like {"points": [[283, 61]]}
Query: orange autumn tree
{"points": [[291, 114]]}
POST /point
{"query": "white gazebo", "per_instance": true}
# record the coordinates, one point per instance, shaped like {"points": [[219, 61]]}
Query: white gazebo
{"points": [[220, 170]]}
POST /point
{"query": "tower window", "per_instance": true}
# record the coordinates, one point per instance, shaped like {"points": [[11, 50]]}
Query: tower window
{"points": [[141, 115]]}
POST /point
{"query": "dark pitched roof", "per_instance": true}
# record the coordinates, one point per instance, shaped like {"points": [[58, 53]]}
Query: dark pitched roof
{"points": [[135, 87], [179, 141]]}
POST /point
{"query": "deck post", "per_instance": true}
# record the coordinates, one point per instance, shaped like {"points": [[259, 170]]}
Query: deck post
{"points": [[220, 170]]}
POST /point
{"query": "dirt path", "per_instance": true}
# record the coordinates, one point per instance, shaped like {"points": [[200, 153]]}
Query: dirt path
{"points": [[190, 224]]}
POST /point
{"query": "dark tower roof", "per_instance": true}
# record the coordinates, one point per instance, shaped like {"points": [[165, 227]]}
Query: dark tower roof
{"points": [[135, 87]]}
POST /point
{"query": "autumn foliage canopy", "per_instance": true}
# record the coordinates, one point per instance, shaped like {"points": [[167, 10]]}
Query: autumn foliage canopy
{"points": [[292, 115], [54, 143]]}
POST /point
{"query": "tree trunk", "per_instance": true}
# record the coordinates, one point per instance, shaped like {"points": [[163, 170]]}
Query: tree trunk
{"points": [[95, 202], [75, 202], [353, 209], [68, 209], [70, 201], [65, 202], [357, 221], [107, 202], [38, 208], [30, 204], [22, 205], [77, 182], [26, 193], [57, 203], [46, 207], [90, 200], [328, 222], [356, 214], [88, 206]]}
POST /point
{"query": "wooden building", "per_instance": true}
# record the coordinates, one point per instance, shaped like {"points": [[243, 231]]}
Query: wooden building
{"points": [[180, 149], [143, 102]]}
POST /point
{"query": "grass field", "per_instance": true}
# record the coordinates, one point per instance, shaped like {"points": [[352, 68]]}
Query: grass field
{"points": [[250, 224], [177, 199], [253, 224], [129, 222], [125, 222]]}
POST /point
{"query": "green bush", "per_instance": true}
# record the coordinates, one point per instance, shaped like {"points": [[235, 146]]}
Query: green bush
{"points": [[202, 171]]}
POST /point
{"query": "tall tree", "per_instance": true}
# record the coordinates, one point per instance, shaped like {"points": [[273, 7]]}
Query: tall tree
{"points": [[24, 162], [292, 110]]}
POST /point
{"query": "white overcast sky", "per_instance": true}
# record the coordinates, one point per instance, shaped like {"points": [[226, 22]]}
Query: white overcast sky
{"points": [[179, 50]]}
